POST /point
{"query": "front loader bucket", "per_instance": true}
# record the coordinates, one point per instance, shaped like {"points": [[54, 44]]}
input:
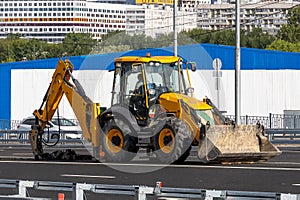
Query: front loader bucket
{"points": [[242, 143]]}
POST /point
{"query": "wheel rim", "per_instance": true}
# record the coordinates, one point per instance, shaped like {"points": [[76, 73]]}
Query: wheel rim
{"points": [[166, 140], [114, 140]]}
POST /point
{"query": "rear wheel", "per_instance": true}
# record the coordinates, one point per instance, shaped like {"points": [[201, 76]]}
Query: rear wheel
{"points": [[173, 142], [117, 143]]}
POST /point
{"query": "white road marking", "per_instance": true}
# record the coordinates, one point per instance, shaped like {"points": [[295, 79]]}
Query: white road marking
{"points": [[282, 163], [23, 154], [160, 165], [16, 157], [296, 184], [87, 176], [287, 151]]}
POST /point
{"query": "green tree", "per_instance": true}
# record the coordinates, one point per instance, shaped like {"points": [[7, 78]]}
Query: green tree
{"points": [[225, 37], [113, 42], [184, 39], [78, 44], [258, 39], [162, 40], [19, 48], [199, 35], [291, 31], [288, 37], [111, 34], [55, 50], [4, 50], [12, 36], [282, 45]]}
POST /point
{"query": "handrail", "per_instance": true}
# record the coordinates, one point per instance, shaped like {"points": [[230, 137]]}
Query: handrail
{"points": [[22, 136], [274, 136], [137, 192], [280, 121]]}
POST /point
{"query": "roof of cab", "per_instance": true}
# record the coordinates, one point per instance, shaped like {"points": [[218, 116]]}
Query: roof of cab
{"points": [[161, 59]]}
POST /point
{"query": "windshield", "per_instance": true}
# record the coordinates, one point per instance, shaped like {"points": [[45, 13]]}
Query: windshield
{"points": [[164, 76], [131, 78]]}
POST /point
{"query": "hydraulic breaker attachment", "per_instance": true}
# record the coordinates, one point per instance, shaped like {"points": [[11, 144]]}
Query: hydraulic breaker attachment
{"points": [[230, 143], [36, 142]]}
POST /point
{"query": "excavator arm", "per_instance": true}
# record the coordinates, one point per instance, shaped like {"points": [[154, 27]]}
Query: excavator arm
{"points": [[63, 83]]}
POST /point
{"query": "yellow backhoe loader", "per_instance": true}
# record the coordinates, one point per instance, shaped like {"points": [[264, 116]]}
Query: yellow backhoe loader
{"points": [[152, 108]]}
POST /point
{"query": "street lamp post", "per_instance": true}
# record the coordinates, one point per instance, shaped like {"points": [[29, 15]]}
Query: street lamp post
{"points": [[237, 64], [174, 27]]}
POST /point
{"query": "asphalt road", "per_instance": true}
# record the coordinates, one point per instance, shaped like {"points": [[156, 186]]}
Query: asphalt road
{"points": [[280, 174]]}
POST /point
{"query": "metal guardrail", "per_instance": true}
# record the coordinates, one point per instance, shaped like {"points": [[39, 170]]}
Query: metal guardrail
{"points": [[137, 192], [278, 121], [13, 124], [291, 136], [20, 136], [285, 136], [273, 121]]}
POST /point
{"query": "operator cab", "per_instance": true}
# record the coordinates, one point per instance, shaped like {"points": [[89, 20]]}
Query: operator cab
{"points": [[139, 81]]}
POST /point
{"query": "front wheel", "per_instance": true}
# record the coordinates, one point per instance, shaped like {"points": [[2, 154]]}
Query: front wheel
{"points": [[117, 143], [173, 142]]}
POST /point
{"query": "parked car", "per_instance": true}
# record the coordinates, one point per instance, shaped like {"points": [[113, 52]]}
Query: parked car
{"points": [[71, 129]]}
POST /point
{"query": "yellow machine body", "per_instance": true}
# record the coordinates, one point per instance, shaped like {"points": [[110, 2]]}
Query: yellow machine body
{"points": [[217, 140]]}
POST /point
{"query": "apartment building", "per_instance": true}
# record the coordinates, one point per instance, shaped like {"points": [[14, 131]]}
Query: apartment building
{"points": [[269, 16], [52, 20], [154, 20]]}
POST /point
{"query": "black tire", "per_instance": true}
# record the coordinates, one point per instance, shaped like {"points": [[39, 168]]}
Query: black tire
{"points": [[117, 143], [172, 144]]}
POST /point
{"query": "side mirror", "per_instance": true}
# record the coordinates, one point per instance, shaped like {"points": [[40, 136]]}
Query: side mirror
{"points": [[190, 91], [192, 66]]}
